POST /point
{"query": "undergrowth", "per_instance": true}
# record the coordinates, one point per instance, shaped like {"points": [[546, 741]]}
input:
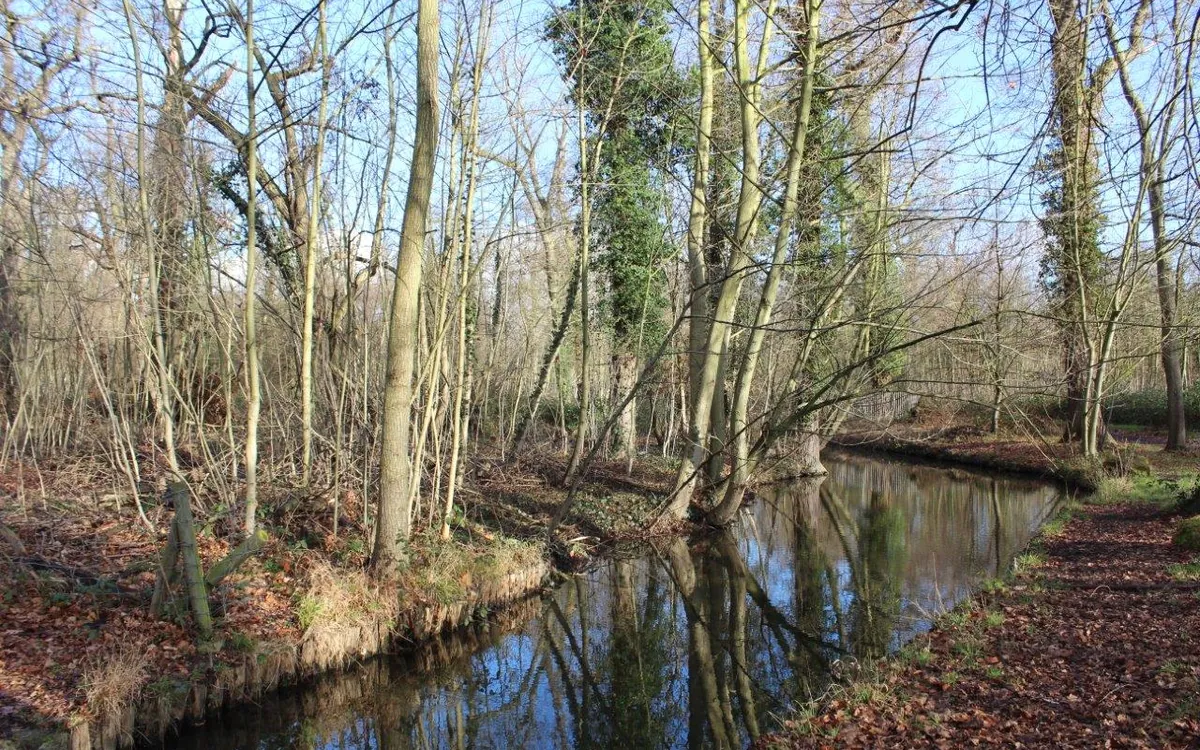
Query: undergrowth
{"points": [[336, 597], [112, 681]]}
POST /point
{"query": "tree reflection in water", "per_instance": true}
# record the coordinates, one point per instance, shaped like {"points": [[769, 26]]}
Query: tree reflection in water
{"points": [[686, 646]]}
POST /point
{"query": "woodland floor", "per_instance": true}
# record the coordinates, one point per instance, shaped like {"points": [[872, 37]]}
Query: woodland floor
{"points": [[1095, 642], [77, 571]]}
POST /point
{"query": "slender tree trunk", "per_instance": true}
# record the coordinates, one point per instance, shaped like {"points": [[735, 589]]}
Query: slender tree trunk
{"points": [[698, 214], [726, 511], [1154, 151], [459, 417], [254, 399], [310, 259], [1172, 359], [585, 229], [394, 521], [750, 198], [163, 391]]}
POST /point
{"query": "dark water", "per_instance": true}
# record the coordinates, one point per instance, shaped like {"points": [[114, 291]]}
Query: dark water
{"points": [[699, 647]]}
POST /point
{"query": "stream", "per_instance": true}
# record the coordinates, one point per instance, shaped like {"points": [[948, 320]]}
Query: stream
{"points": [[686, 647]]}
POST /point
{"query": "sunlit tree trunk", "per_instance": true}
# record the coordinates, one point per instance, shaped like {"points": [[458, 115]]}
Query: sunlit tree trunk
{"points": [[466, 315], [1154, 149], [253, 385], [585, 238], [394, 521], [310, 257], [749, 201], [740, 417], [698, 214]]}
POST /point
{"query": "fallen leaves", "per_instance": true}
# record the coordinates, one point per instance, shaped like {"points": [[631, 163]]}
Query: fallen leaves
{"points": [[1084, 665]]}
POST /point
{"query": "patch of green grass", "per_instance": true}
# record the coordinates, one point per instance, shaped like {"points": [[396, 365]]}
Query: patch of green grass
{"points": [[994, 673], [1141, 487], [956, 618], [447, 590], [919, 656], [968, 651], [1187, 534], [239, 641], [993, 619], [308, 609], [1027, 562], [994, 586], [1171, 667], [1187, 708], [1057, 525], [1189, 571], [163, 686], [867, 692], [59, 599], [951, 678]]}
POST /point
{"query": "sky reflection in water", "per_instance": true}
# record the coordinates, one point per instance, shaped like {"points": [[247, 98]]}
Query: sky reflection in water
{"points": [[698, 647]]}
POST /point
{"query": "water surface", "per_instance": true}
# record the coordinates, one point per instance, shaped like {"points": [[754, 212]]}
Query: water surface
{"points": [[684, 647]]}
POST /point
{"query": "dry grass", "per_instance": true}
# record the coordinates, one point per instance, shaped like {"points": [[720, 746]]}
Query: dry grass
{"points": [[112, 681], [448, 570], [335, 597]]}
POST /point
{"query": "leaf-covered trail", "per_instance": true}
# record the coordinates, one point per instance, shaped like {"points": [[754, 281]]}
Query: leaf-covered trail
{"points": [[1096, 645]]}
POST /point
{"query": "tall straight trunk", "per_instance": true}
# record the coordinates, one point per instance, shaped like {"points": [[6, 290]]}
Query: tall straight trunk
{"points": [[1172, 359], [739, 418], [625, 375], [168, 182], [163, 391], [254, 399], [749, 201], [459, 418], [698, 214], [586, 164], [1076, 225], [1154, 150], [310, 260], [394, 520]]}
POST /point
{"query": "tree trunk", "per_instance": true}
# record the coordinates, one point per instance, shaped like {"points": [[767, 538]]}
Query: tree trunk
{"points": [[699, 319], [394, 519], [250, 320], [625, 376], [749, 201], [10, 331], [310, 261], [740, 419], [808, 451], [1171, 357], [192, 572]]}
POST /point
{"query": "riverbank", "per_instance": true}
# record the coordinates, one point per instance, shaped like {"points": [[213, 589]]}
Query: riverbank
{"points": [[1091, 640], [968, 445], [83, 663]]}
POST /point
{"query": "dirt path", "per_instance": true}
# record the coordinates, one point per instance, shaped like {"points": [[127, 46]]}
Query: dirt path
{"points": [[1095, 644]]}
